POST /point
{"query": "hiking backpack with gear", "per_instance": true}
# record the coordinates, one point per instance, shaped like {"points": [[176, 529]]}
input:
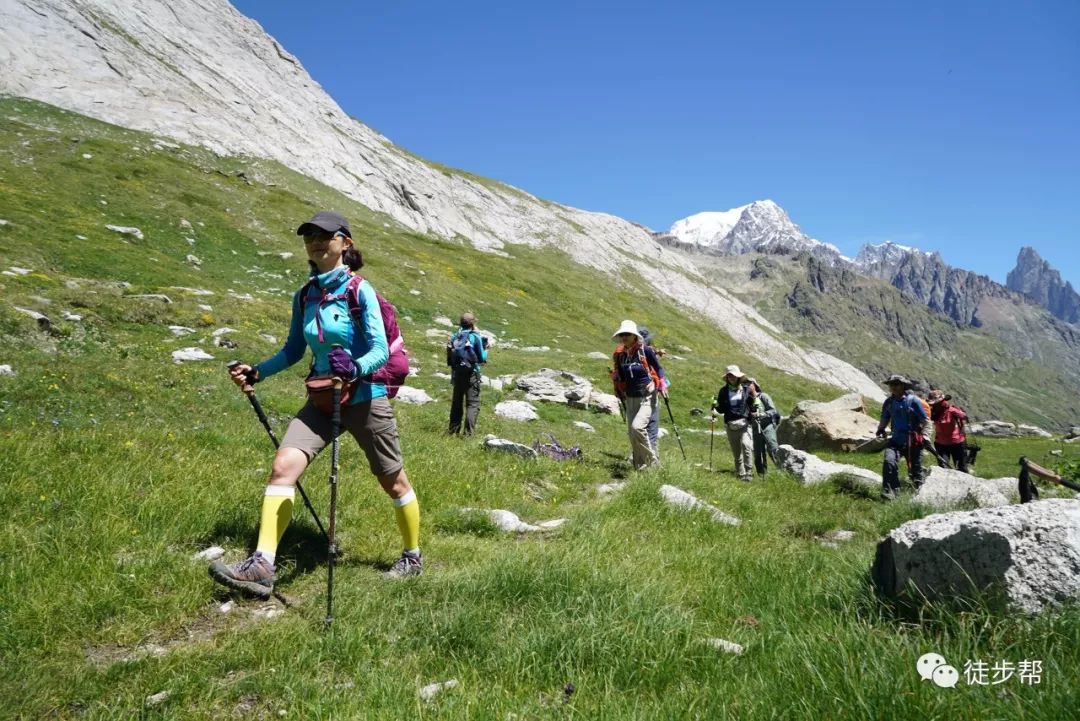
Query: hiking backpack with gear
{"points": [[461, 355], [633, 372], [393, 373]]}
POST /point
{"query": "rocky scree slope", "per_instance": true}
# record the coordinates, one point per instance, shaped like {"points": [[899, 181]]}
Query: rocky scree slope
{"points": [[200, 72]]}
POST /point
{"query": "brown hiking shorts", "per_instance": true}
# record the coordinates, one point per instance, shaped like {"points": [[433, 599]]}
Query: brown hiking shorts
{"points": [[371, 423]]}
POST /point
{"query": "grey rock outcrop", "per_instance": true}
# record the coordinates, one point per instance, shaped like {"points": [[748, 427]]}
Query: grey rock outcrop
{"points": [[415, 396], [492, 443], [945, 489], [838, 425], [687, 502], [516, 411], [1002, 429], [1021, 556], [1038, 280], [553, 386], [510, 522], [197, 71], [810, 470]]}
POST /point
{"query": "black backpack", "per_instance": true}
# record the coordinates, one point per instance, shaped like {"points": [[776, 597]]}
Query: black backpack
{"points": [[461, 356]]}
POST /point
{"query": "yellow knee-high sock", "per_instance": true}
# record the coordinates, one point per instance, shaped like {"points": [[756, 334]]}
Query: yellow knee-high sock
{"points": [[407, 512], [276, 513]]}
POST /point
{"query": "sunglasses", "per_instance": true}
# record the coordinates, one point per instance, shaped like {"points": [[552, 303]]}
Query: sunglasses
{"points": [[320, 235]]}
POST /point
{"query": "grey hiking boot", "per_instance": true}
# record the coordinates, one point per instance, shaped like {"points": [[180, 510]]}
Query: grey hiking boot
{"points": [[410, 564], [254, 575]]}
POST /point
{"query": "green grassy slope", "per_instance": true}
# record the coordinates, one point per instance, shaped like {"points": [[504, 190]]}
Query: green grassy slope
{"points": [[118, 465]]}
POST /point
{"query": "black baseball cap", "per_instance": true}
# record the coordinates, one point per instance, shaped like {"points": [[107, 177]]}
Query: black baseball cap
{"points": [[326, 220]]}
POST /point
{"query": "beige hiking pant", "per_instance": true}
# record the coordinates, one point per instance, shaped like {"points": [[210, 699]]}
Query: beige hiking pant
{"points": [[740, 436], [638, 413]]}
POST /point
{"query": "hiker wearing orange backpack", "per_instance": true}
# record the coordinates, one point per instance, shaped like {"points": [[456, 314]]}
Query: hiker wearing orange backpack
{"points": [[638, 385], [345, 323]]}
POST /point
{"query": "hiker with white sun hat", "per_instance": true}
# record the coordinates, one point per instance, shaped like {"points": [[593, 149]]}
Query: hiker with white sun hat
{"points": [[638, 385]]}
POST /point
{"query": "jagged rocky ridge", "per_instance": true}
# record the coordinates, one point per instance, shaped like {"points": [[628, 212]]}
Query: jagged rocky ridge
{"points": [[200, 72], [1036, 279]]}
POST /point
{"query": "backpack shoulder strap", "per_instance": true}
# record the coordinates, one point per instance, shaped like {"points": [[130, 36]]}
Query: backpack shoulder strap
{"points": [[352, 294]]}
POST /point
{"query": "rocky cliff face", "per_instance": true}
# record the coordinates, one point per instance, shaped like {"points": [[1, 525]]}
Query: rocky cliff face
{"points": [[200, 72], [1036, 279], [953, 292]]}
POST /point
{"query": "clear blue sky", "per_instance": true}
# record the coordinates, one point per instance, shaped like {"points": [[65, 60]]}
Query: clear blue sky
{"points": [[953, 126]]}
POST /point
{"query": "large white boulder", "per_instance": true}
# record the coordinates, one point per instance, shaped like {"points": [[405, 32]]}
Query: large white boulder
{"points": [[811, 470], [516, 410], [416, 396], [945, 489], [493, 443], [1022, 556]]}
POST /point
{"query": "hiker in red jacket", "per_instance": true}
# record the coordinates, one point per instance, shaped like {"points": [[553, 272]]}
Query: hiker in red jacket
{"points": [[949, 439]]}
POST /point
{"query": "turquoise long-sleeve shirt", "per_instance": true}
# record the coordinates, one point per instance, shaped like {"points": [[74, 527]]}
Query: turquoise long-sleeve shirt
{"points": [[365, 342]]}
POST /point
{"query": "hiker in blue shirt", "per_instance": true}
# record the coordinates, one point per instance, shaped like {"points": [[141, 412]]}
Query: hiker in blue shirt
{"points": [[905, 413], [352, 347], [466, 351]]}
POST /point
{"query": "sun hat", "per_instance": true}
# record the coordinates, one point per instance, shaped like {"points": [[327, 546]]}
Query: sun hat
{"points": [[628, 326]]}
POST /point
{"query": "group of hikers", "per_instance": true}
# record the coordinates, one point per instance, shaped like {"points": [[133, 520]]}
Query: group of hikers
{"points": [[359, 362]]}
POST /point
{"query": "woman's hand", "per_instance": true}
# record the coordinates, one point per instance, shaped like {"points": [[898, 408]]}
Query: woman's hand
{"points": [[242, 374], [341, 363]]}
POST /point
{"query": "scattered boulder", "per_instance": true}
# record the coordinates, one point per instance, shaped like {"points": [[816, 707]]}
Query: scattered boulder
{"points": [[1021, 556], [43, 321], [20, 271], [838, 425], [597, 355], [190, 354], [496, 384], [1028, 431], [510, 522], [1057, 452], [209, 554], [437, 333], [434, 689], [945, 489], [681, 499], [1074, 432], [191, 291], [501, 444], [193, 259], [443, 320], [150, 296], [5, 370], [443, 376], [185, 224], [516, 411], [416, 396], [160, 697], [126, 230], [1002, 429], [552, 386], [584, 426], [609, 489], [723, 645], [811, 470], [71, 317]]}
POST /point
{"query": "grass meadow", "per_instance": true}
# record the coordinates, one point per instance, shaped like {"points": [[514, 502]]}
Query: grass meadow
{"points": [[118, 465]]}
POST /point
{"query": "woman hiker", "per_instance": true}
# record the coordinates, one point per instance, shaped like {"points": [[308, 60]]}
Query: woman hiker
{"points": [[638, 385], [949, 438], [734, 402], [342, 347]]}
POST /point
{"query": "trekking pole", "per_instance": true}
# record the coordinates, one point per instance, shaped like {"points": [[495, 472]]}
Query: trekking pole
{"points": [[249, 391], [712, 434], [675, 427], [331, 555]]}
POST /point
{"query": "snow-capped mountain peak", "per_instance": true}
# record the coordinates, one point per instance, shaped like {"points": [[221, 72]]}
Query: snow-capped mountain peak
{"points": [[761, 226]]}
